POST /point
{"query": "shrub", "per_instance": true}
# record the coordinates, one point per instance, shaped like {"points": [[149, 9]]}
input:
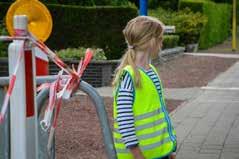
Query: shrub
{"points": [[3, 45], [78, 53], [83, 2], [76, 26], [223, 1], [195, 6], [219, 21], [91, 2], [170, 41], [153, 4], [188, 24], [169, 4]]}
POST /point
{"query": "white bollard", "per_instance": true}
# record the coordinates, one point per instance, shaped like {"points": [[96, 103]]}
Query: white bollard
{"points": [[23, 113]]}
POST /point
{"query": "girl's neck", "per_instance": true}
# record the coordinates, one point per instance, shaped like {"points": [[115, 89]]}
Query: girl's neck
{"points": [[142, 60]]}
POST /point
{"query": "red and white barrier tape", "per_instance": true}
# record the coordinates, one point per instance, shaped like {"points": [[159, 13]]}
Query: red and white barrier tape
{"points": [[65, 88], [52, 55], [54, 87], [70, 86], [11, 84]]}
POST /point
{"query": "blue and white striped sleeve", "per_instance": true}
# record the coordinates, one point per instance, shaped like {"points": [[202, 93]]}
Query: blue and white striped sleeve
{"points": [[125, 117]]}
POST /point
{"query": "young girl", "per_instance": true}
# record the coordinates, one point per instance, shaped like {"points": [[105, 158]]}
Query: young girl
{"points": [[142, 126]]}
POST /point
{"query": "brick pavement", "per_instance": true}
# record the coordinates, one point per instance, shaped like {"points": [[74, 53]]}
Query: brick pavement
{"points": [[208, 126]]}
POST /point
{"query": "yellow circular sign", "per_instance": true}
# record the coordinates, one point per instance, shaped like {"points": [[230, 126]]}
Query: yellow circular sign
{"points": [[39, 18]]}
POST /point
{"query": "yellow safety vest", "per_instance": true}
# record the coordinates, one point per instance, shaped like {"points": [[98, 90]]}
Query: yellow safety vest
{"points": [[154, 129]]}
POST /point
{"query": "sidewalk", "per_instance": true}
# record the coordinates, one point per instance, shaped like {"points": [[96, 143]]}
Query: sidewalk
{"points": [[208, 126]]}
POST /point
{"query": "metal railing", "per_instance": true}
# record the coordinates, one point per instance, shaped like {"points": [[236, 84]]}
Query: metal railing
{"points": [[41, 98]]}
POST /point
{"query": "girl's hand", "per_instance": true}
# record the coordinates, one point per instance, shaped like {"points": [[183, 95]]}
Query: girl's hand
{"points": [[172, 156], [140, 157], [137, 153]]}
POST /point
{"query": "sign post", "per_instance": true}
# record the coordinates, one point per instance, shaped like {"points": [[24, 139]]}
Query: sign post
{"points": [[143, 5]]}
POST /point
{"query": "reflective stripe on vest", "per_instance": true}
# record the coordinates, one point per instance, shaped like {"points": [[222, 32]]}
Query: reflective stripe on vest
{"points": [[146, 136], [148, 147], [146, 115], [145, 126]]}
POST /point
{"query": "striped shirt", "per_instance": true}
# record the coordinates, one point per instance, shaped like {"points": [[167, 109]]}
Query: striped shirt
{"points": [[125, 117]]}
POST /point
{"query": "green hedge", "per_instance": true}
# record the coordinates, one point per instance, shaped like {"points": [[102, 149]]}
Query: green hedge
{"points": [[79, 53], [218, 27], [83, 2], [188, 24], [99, 27], [195, 6], [170, 41], [223, 1], [153, 4]]}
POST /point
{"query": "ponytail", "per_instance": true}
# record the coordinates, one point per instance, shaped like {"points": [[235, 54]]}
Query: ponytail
{"points": [[127, 59]]}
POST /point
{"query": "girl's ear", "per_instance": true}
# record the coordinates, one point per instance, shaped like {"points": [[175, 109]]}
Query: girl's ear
{"points": [[154, 47]]}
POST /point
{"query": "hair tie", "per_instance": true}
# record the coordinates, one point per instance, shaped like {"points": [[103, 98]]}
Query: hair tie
{"points": [[130, 46]]}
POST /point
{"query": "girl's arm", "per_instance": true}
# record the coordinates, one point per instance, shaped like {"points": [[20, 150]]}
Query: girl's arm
{"points": [[125, 117], [137, 153]]}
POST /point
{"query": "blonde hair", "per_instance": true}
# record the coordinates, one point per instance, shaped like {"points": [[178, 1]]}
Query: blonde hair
{"points": [[141, 34]]}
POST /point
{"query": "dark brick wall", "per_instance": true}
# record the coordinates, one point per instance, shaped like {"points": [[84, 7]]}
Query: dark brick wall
{"points": [[98, 73]]}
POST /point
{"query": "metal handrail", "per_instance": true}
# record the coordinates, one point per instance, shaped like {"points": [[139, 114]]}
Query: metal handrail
{"points": [[94, 96]]}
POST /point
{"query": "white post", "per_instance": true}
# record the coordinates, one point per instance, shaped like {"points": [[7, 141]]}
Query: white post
{"points": [[23, 113]]}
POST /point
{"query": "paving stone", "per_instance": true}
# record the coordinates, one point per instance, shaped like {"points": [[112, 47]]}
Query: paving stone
{"points": [[190, 122], [210, 151], [232, 141], [212, 146], [232, 146], [231, 149], [208, 156], [188, 155], [201, 129], [194, 147], [195, 139], [236, 123], [182, 131], [181, 114], [214, 139], [201, 110], [212, 116], [229, 155]]}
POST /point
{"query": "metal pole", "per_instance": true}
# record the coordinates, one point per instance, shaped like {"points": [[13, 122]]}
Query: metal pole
{"points": [[234, 27], [39, 80], [143, 5], [43, 136], [102, 115], [4, 132]]}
